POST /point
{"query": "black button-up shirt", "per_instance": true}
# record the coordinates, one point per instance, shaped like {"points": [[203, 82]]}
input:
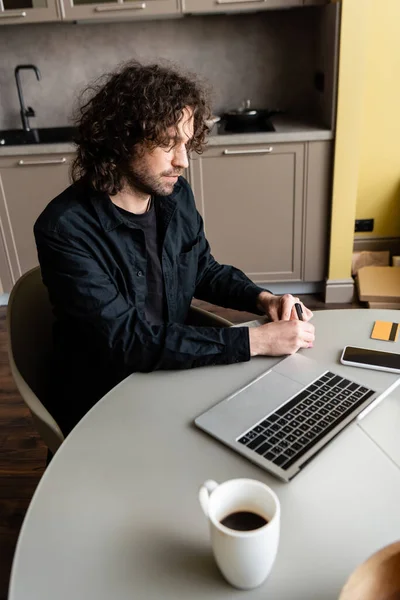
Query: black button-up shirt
{"points": [[94, 265], [155, 284]]}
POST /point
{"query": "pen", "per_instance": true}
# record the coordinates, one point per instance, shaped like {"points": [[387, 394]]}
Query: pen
{"points": [[299, 311]]}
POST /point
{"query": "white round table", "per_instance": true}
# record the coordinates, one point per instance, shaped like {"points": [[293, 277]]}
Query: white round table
{"points": [[116, 514]]}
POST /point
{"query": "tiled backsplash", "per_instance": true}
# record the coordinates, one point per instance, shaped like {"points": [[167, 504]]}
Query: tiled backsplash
{"points": [[268, 57]]}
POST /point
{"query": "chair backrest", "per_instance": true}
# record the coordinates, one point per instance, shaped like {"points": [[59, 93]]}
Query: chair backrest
{"points": [[29, 331], [203, 318]]}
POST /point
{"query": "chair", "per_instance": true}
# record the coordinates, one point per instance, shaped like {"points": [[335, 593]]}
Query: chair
{"points": [[202, 318], [29, 333]]}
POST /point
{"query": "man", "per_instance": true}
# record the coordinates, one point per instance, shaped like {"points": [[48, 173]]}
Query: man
{"points": [[123, 251]]}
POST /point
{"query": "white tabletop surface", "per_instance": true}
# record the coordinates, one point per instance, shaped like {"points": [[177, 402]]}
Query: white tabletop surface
{"points": [[116, 514]]}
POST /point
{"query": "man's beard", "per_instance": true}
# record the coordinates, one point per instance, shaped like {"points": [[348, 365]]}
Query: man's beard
{"points": [[137, 178]]}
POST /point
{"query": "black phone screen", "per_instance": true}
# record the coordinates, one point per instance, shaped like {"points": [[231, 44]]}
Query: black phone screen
{"points": [[364, 356]]}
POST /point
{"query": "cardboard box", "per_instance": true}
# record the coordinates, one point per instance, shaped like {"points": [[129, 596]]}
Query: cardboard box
{"points": [[379, 284], [369, 258], [388, 305]]}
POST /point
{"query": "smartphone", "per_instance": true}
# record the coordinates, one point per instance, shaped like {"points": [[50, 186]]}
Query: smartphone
{"points": [[371, 359]]}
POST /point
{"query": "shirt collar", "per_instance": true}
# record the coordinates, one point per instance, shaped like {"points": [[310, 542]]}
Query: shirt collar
{"points": [[110, 218]]}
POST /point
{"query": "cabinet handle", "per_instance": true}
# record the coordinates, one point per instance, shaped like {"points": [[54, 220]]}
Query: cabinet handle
{"points": [[140, 6], [259, 151], [33, 163], [238, 1], [12, 15]]}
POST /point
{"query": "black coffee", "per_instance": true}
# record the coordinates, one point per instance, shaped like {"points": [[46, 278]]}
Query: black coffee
{"points": [[244, 521]]}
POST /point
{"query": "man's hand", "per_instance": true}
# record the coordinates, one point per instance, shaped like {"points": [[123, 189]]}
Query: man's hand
{"points": [[281, 337], [281, 308]]}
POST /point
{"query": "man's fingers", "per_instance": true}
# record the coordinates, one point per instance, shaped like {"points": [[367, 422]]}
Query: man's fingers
{"points": [[305, 344], [273, 313], [308, 327], [304, 327], [288, 309], [309, 338], [307, 335], [305, 339], [288, 303], [289, 312], [307, 313]]}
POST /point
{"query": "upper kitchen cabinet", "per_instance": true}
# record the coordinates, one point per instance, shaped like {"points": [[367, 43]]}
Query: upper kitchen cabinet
{"points": [[119, 9], [226, 6], [27, 11]]}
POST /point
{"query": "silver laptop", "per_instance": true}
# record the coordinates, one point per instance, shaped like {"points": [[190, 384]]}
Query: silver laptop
{"points": [[282, 419]]}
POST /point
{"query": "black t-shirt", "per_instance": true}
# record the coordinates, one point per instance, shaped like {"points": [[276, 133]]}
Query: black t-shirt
{"points": [[154, 306]]}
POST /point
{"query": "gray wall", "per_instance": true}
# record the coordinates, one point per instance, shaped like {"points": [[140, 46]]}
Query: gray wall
{"points": [[268, 57]]}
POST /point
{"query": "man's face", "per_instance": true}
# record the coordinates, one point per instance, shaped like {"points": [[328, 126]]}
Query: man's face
{"points": [[157, 171]]}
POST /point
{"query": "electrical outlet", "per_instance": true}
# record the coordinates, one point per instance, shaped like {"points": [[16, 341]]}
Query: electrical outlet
{"points": [[364, 225]]}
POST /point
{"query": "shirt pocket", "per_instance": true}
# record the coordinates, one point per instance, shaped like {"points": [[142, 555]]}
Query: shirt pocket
{"points": [[188, 250], [187, 265]]}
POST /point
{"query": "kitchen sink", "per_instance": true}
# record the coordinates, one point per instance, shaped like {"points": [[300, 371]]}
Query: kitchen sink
{"points": [[45, 135]]}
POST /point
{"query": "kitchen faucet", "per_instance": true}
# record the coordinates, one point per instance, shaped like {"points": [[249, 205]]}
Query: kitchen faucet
{"points": [[26, 112]]}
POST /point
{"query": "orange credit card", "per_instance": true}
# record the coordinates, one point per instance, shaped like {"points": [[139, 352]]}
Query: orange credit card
{"points": [[385, 330]]}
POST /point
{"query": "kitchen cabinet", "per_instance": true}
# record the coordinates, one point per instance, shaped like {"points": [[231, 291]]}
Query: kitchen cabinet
{"points": [[27, 184], [251, 199], [28, 11], [38, 11], [226, 6], [104, 9], [266, 208]]}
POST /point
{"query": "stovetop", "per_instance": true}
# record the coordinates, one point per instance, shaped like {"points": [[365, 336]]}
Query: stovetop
{"points": [[261, 127]]}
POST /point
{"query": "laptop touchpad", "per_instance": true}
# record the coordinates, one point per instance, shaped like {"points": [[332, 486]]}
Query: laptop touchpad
{"points": [[250, 405], [300, 368]]}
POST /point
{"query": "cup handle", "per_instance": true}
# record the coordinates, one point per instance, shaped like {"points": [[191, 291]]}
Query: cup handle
{"points": [[204, 494]]}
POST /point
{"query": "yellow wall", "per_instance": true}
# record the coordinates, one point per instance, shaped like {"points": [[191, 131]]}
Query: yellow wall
{"points": [[367, 152], [379, 177], [352, 63]]}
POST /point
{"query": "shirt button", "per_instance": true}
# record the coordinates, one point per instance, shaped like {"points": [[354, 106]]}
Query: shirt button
{"points": [[139, 273]]}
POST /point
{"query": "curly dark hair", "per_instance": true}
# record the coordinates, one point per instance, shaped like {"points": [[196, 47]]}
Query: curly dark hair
{"points": [[134, 105]]}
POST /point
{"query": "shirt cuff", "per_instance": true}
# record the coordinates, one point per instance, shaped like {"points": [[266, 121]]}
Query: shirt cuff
{"points": [[252, 294], [238, 344]]}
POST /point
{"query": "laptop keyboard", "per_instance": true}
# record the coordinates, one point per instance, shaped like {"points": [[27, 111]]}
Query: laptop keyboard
{"points": [[291, 431]]}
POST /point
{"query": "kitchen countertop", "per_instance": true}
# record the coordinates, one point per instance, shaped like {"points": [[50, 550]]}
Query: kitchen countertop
{"points": [[286, 130], [37, 149]]}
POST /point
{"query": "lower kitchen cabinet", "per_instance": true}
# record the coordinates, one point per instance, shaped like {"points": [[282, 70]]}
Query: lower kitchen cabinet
{"points": [[27, 184], [266, 208]]}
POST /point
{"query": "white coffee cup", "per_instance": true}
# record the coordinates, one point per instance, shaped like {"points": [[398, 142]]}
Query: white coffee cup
{"points": [[245, 558]]}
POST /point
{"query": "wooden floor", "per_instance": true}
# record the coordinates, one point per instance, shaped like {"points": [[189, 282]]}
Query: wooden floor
{"points": [[23, 454], [22, 461]]}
